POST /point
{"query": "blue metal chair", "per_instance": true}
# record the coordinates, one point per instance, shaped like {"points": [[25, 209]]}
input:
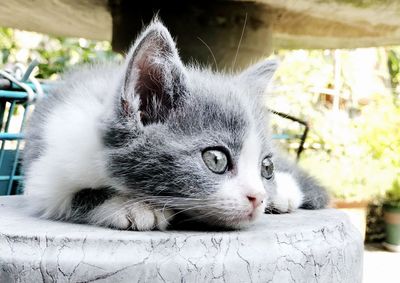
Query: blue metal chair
{"points": [[16, 97]]}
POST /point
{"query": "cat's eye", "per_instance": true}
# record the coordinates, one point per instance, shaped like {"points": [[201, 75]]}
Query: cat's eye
{"points": [[216, 160], [267, 168]]}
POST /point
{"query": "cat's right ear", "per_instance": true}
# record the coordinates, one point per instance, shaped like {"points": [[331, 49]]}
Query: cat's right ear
{"points": [[259, 75], [155, 78]]}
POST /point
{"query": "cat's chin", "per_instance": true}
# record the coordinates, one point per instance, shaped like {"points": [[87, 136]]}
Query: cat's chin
{"points": [[241, 221], [206, 226], [245, 221], [238, 224], [214, 222]]}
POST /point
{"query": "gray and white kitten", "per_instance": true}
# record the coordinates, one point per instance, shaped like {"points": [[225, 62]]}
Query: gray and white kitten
{"points": [[137, 145]]}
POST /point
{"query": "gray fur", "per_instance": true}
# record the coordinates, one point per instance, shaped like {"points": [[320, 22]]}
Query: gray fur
{"points": [[158, 117], [315, 194], [57, 95], [88, 199]]}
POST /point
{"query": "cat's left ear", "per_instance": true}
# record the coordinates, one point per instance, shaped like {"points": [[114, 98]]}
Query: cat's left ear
{"points": [[259, 75], [154, 76]]}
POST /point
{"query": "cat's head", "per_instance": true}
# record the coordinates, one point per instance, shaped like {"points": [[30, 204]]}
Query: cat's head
{"points": [[189, 139]]}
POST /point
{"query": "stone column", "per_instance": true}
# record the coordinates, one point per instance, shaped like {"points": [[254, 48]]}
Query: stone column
{"points": [[204, 30]]}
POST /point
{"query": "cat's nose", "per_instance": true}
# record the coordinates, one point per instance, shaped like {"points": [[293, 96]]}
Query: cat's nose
{"points": [[256, 199]]}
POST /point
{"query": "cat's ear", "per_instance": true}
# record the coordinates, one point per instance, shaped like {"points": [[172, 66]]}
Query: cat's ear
{"points": [[154, 76], [259, 75]]}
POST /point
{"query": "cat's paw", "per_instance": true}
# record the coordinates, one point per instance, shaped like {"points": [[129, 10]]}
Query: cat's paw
{"points": [[121, 214], [288, 195], [143, 217]]}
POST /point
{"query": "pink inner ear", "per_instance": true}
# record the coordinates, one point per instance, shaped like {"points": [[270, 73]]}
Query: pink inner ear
{"points": [[152, 75], [152, 87]]}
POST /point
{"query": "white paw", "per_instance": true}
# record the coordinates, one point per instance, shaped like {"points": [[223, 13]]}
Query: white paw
{"points": [[143, 217], [127, 215], [288, 196]]}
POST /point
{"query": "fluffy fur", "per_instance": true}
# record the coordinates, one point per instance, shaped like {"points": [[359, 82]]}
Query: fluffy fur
{"points": [[121, 145]]}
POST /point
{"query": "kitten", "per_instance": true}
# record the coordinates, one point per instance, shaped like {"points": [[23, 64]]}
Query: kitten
{"points": [[132, 146]]}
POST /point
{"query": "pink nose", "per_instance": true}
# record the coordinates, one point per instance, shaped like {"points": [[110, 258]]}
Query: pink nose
{"points": [[255, 200]]}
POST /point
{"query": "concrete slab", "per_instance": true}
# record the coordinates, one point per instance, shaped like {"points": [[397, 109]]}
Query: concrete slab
{"points": [[306, 246], [295, 23]]}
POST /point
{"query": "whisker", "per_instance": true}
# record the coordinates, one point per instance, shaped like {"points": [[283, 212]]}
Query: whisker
{"points": [[240, 42], [212, 54]]}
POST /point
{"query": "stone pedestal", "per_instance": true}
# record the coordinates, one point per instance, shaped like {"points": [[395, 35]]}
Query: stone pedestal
{"points": [[305, 246]]}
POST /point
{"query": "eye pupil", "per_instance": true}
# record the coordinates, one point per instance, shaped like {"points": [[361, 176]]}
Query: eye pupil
{"points": [[267, 168], [216, 160]]}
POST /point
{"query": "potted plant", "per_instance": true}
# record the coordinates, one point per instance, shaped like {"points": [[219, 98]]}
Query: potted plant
{"points": [[391, 209]]}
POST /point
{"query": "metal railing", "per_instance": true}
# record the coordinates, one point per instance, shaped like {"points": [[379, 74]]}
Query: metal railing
{"points": [[17, 93]]}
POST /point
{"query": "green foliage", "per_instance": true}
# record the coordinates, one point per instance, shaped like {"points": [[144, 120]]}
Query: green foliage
{"points": [[393, 195], [55, 54], [378, 130], [63, 53], [6, 44], [394, 66], [355, 156], [394, 71]]}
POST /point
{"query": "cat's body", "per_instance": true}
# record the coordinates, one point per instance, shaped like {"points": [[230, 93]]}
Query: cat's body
{"points": [[133, 146]]}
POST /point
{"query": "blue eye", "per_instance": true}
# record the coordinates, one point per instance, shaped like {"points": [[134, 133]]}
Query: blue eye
{"points": [[216, 160], [267, 168]]}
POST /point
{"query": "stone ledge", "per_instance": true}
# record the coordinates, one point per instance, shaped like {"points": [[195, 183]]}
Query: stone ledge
{"points": [[306, 246], [295, 23]]}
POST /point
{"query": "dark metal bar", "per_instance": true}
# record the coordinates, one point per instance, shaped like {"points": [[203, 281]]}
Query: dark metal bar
{"points": [[16, 158], [11, 136], [13, 95], [302, 122]]}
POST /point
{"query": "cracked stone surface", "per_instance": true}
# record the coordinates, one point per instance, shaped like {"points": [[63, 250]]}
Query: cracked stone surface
{"points": [[305, 246]]}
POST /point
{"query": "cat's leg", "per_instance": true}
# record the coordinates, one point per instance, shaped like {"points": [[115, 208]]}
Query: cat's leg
{"points": [[295, 188], [315, 195], [47, 191], [105, 207], [51, 194], [288, 195]]}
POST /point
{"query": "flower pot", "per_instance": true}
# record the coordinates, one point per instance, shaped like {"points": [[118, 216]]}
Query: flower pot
{"points": [[392, 227], [356, 211]]}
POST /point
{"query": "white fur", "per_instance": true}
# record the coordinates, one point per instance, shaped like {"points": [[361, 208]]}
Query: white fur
{"points": [[73, 143], [247, 181], [288, 195], [120, 213]]}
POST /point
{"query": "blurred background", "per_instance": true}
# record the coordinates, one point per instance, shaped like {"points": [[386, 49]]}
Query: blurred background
{"points": [[339, 72]]}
